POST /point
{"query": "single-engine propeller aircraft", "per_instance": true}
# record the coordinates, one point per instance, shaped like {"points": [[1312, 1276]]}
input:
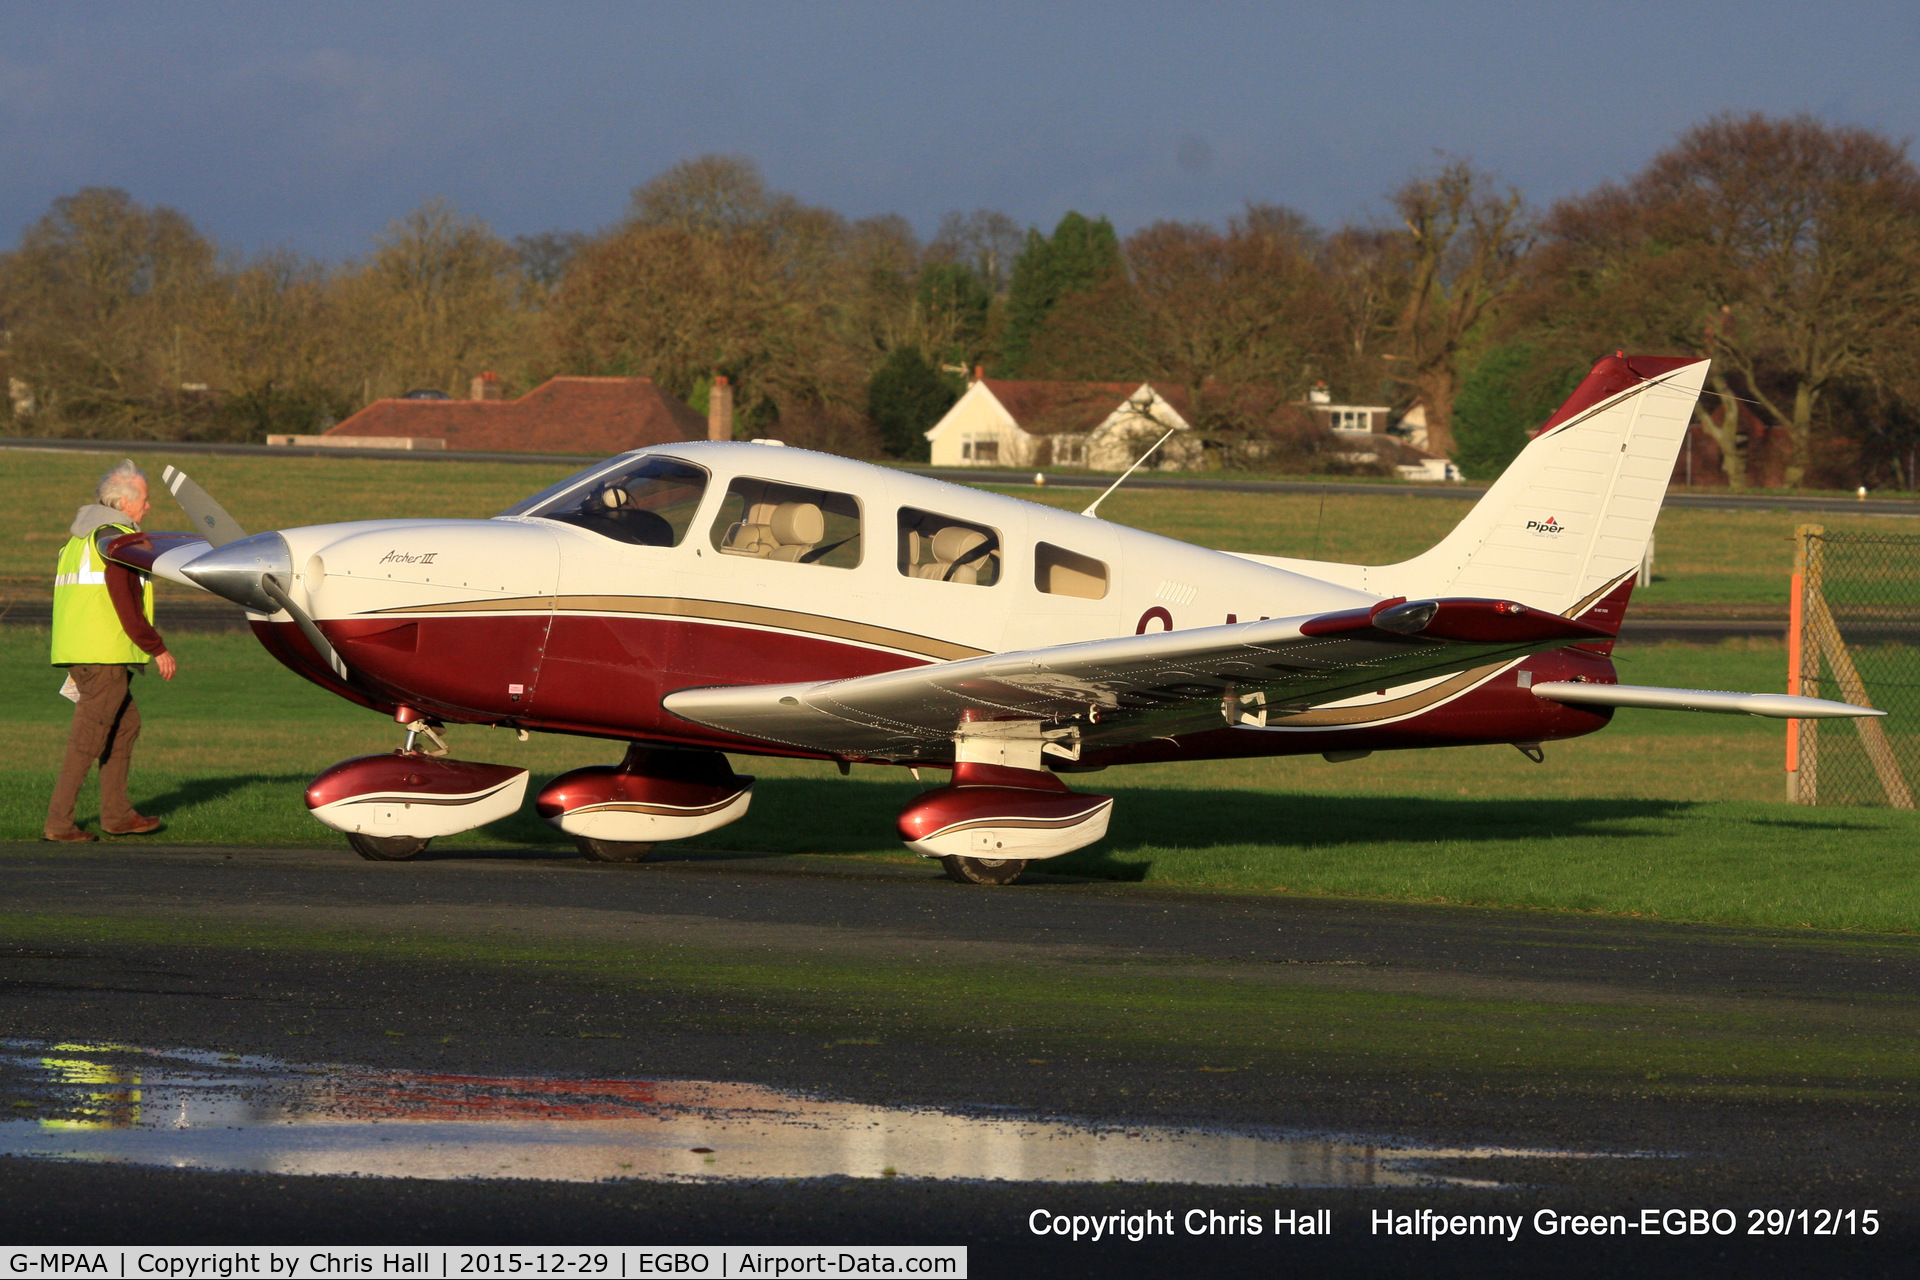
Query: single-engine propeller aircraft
{"points": [[693, 600]]}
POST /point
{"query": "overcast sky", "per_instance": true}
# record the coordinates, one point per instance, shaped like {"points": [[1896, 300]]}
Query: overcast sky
{"points": [[311, 125]]}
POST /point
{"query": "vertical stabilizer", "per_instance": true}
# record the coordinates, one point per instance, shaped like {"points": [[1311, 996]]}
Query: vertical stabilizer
{"points": [[1569, 520]]}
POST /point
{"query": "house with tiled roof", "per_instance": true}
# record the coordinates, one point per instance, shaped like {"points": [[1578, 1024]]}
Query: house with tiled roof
{"points": [[561, 415], [1095, 426]]}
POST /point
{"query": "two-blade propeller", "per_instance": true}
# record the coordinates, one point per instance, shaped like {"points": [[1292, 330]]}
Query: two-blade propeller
{"points": [[210, 519]]}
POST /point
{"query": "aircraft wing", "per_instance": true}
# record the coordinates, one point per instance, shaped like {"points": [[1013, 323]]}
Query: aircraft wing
{"points": [[1104, 693]]}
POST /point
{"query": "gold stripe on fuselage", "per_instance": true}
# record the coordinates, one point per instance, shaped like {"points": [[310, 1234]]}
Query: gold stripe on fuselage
{"points": [[1398, 708], [709, 611]]}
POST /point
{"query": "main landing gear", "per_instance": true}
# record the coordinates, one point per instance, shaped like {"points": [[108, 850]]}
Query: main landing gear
{"points": [[982, 870], [387, 848], [618, 813], [992, 819]]}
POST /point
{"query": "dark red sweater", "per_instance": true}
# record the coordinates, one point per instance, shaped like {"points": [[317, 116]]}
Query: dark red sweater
{"points": [[125, 588]]}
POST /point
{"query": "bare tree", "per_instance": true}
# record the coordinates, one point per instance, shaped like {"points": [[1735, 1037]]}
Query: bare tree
{"points": [[1364, 275], [1812, 248], [434, 305], [707, 195], [985, 240], [269, 329], [1786, 250], [1464, 245], [101, 296], [673, 306]]}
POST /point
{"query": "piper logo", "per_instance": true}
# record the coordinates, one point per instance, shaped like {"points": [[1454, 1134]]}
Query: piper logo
{"points": [[1545, 528]]}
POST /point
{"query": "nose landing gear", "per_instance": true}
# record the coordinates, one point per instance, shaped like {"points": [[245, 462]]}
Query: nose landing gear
{"points": [[390, 806]]}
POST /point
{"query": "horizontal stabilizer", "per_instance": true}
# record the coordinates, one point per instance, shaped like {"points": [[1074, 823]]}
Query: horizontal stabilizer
{"points": [[1780, 706]]}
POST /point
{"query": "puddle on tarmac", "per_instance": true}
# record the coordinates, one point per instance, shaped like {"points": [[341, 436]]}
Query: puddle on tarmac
{"points": [[192, 1109]]}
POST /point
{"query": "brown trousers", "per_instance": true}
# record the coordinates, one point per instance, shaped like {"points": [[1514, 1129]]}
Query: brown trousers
{"points": [[106, 724]]}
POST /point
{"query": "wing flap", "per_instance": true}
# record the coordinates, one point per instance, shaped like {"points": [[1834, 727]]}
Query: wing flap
{"points": [[1131, 688]]}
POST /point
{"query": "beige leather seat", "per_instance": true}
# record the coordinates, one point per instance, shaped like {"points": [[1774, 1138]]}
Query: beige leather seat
{"points": [[753, 536], [956, 556], [785, 531], [796, 528]]}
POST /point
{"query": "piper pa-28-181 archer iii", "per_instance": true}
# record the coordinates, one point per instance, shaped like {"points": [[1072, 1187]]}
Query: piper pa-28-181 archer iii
{"points": [[693, 600]]}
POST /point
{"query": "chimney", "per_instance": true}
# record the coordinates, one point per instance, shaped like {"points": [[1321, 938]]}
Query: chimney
{"points": [[720, 410], [979, 373], [485, 386]]}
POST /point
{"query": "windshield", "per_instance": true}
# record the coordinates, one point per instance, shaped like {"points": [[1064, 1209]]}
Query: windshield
{"points": [[647, 501]]}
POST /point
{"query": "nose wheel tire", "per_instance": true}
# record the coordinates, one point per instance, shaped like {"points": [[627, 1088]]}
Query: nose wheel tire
{"points": [[611, 850], [983, 870], [388, 848]]}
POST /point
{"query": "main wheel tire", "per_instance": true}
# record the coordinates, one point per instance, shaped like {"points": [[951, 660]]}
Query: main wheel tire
{"points": [[983, 870], [611, 850], [388, 848]]}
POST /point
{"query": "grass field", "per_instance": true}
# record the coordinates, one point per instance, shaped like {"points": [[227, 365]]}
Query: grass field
{"points": [[1664, 815], [1703, 557]]}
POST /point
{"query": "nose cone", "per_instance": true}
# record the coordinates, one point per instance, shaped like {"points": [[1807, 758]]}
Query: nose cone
{"points": [[234, 571]]}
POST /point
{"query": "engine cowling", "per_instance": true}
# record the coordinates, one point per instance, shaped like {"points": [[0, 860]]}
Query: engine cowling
{"points": [[992, 811], [405, 793], [656, 794]]}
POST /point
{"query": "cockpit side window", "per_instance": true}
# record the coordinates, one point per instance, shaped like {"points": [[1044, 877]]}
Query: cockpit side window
{"points": [[770, 521], [942, 549], [650, 502], [1060, 572]]}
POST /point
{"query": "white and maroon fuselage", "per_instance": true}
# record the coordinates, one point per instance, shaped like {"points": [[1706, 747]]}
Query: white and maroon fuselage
{"points": [[540, 624]]}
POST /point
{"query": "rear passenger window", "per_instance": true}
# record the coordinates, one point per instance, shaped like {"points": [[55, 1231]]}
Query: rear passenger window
{"points": [[942, 549], [771, 521], [1060, 572]]}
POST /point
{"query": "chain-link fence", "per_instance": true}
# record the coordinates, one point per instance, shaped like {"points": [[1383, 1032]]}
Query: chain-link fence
{"points": [[1855, 637]]}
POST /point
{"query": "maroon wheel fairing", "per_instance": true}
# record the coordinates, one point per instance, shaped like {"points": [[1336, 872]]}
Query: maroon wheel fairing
{"points": [[425, 779], [992, 811], [655, 794]]}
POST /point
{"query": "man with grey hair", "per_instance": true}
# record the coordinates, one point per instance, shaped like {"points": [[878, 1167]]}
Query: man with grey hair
{"points": [[103, 631]]}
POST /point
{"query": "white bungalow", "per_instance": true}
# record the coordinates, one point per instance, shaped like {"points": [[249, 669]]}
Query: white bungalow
{"points": [[1092, 426]]}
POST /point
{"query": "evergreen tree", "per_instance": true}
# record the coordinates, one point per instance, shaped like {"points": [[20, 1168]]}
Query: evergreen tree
{"points": [[905, 397], [1081, 254], [1503, 400]]}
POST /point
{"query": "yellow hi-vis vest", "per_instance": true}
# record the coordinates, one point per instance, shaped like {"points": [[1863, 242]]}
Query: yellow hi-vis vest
{"points": [[85, 626]]}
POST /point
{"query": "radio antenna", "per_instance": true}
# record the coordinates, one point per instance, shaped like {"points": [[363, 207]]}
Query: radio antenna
{"points": [[1093, 507]]}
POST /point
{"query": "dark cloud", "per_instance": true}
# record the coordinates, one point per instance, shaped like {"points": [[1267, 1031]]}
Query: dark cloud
{"points": [[1193, 155], [312, 125]]}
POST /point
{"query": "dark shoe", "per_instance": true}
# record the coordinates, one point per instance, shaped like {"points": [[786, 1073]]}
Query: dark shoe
{"points": [[72, 835], [139, 826]]}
